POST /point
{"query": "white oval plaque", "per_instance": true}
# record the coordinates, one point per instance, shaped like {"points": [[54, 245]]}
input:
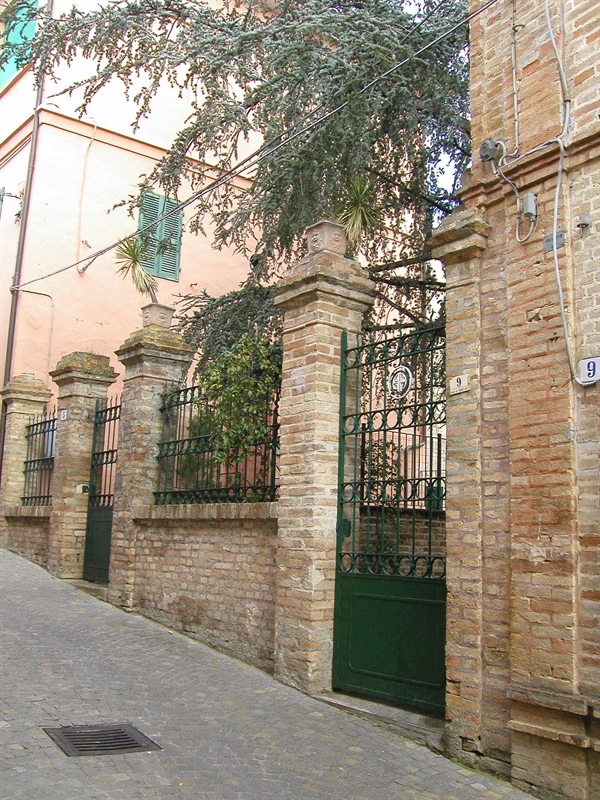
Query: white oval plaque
{"points": [[400, 381]]}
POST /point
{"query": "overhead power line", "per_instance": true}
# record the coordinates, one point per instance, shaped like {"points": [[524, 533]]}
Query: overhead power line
{"points": [[276, 144]]}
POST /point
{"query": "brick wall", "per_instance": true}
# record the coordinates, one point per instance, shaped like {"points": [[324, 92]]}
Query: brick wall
{"points": [[523, 462], [27, 532], [209, 571]]}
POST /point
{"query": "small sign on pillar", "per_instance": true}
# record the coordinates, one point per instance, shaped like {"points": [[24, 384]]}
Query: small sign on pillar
{"points": [[459, 384], [589, 370]]}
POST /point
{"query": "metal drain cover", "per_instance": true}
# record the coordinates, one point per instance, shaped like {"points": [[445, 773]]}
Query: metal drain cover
{"points": [[98, 740]]}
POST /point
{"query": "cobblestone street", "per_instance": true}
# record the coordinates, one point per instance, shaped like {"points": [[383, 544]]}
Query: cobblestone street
{"points": [[227, 730]]}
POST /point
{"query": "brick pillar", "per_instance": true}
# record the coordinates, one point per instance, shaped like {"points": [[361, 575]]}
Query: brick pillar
{"points": [[25, 397], [153, 357], [322, 294], [459, 242], [81, 378]]}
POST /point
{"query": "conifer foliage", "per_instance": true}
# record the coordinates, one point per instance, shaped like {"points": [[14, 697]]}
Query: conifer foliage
{"points": [[266, 69]]}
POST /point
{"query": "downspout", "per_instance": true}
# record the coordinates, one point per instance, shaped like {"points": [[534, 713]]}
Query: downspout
{"points": [[14, 304]]}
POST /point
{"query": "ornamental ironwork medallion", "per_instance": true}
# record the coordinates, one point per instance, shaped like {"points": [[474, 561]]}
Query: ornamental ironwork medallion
{"points": [[400, 381]]}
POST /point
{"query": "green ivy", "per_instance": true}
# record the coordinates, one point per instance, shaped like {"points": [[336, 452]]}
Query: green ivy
{"points": [[239, 390]]}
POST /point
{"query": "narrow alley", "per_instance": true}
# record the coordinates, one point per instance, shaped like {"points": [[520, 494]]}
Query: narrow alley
{"points": [[226, 730]]}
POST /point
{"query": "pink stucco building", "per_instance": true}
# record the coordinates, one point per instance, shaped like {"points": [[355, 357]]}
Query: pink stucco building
{"points": [[81, 168]]}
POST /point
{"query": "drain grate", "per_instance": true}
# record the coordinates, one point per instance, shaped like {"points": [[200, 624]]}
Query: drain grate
{"points": [[98, 740]]}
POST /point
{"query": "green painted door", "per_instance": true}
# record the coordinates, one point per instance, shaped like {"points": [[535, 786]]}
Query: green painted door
{"points": [[96, 559], [390, 603]]}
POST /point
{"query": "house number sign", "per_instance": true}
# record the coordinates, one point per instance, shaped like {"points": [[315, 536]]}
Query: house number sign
{"points": [[459, 384], [399, 382], [589, 370]]}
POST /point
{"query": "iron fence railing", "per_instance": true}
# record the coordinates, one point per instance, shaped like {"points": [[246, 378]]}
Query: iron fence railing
{"points": [[407, 470], [39, 461], [197, 463], [104, 453]]}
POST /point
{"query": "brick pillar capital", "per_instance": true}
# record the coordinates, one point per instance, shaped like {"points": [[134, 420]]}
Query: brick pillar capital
{"points": [[82, 374], [462, 236], [26, 390], [328, 276], [155, 352]]}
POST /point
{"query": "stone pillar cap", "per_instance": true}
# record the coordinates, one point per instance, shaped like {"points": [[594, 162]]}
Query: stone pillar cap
{"points": [[26, 386], [460, 237], [459, 225], [154, 341], [80, 365], [328, 272]]}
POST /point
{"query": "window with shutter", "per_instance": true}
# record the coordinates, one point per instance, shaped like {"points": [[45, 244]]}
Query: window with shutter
{"points": [[21, 30], [163, 240]]}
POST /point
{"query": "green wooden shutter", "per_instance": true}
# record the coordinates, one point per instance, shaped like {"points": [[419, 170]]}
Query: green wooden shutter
{"points": [[163, 241], [171, 242], [150, 210]]}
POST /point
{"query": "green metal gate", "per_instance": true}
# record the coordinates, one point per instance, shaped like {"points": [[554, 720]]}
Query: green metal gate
{"points": [[390, 605], [96, 560]]}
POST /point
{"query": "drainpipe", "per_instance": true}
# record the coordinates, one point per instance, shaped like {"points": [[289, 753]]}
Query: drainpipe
{"points": [[14, 305]]}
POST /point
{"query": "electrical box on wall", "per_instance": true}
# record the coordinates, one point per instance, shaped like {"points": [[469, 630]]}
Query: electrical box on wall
{"points": [[530, 206]]}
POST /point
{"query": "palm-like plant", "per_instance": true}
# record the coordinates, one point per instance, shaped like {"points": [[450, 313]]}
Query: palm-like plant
{"points": [[358, 210], [129, 255]]}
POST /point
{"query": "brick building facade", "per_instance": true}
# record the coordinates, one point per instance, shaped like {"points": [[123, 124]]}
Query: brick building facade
{"points": [[523, 520], [522, 504]]}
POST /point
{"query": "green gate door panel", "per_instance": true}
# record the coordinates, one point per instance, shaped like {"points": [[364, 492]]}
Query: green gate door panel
{"points": [[390, 596], [389, 638], [96, 557], [96, 560]]}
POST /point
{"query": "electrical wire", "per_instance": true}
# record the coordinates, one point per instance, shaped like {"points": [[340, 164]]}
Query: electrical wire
{"points": [[264, 151], [499, 171], [515, 157], [559, 141]]}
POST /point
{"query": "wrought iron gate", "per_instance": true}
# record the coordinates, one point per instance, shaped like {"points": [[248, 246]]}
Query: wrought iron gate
{"points": [[96, 558], [390, 606]]}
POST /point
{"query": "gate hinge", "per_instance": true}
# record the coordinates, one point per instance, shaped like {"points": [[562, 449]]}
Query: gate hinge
{"points": [[343, 528]]}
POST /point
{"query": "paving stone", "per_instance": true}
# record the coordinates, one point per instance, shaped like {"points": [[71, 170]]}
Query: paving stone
{"points": [[228, 731]]}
